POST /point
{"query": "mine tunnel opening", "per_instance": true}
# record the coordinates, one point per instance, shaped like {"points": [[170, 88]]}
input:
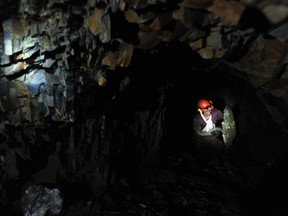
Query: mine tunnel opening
{"points": [[220, 87], [184, 84], [187, 78], [259, 143], [184, 77], [226, 88]]}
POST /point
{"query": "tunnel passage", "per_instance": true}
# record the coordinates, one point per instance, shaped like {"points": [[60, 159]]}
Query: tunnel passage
{"points": [[94, 93], [169, 85], [143, 116], [224, 86]]}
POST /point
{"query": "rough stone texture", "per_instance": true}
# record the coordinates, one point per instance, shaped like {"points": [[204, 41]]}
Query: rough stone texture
{"points": [[88, 104]]}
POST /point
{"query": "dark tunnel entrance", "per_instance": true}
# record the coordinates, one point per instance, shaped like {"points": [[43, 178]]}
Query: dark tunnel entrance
{"points": [[185, 78], [187, 81], [254, 150]]}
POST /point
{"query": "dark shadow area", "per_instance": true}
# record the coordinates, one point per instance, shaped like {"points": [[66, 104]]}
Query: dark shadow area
{"points": [[268, 197], [123, 29], [254, 18]]}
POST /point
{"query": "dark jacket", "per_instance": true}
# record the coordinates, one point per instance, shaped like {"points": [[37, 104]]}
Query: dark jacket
{"points": [[199, 124]]}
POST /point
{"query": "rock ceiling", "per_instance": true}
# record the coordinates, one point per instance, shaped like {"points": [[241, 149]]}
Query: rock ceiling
{"points": [[49, 49]]}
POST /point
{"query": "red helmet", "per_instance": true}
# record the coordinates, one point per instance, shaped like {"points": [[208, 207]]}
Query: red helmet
{"points": [[205, 105]]}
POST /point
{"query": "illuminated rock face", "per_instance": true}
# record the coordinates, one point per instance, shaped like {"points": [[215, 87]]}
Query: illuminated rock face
{"points": [[228, 127]]}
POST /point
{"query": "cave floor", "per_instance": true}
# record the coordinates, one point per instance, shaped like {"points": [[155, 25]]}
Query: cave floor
{"points": [[188, 184]]}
